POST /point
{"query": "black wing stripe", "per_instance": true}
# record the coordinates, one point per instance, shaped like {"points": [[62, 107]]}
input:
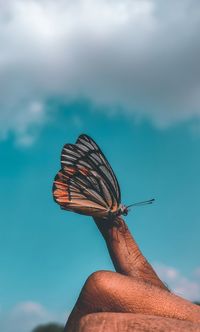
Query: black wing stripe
{"points": [[81, 160], [86, 153], [95, 166], [86, 184], [84, 138], [77, 185], [112, 179]]}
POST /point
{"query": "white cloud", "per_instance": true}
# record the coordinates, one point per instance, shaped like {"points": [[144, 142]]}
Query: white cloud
{"points": [[188, 288], [24, 122], [141, 55], [27, 315]]}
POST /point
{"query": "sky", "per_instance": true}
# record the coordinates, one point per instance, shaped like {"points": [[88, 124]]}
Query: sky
{"points": [[126, 73]]}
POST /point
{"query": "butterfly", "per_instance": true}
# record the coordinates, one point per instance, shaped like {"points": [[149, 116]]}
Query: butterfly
{"points": [[86, 183]]}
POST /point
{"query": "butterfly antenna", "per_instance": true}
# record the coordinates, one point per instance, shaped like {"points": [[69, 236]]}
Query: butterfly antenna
{"points": [[150, 201]]}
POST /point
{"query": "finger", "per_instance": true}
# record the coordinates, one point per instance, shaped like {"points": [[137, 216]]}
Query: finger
{"points": [[125, 253], [106, 291], [117, 322]]}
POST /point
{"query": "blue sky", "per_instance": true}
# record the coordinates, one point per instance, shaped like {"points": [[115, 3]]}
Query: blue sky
{"points": [[142, 110], [47, 253]]}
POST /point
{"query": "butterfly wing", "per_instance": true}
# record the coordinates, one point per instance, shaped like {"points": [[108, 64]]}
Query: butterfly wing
{"points": [[86, 184], [97, 160], [79, 190], [87, 153]]}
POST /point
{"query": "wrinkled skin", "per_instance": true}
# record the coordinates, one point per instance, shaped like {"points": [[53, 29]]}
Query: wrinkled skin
{"points": [[131, 299]]}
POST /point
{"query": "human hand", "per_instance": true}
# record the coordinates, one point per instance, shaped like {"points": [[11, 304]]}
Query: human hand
{"points": [[131, 299]]}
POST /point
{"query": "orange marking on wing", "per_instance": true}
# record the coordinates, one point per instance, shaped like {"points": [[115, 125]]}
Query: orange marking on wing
{"points": [[62, 200], [63, 176], [84, 170], [61, 185], [70, 170], [59, 193]]}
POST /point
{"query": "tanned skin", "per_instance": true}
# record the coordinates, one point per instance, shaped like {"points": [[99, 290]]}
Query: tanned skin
{"points": [[131, 299]]}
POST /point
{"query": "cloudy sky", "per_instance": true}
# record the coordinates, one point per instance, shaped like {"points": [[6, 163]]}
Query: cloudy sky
{"points": [[127, 73]]}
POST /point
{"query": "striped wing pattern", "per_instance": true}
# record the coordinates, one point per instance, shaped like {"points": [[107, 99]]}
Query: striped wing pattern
{"points": [[86, 183], [97, 160]]}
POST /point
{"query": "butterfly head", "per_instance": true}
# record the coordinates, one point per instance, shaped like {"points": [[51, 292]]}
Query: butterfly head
{"points": [[123, 210]]}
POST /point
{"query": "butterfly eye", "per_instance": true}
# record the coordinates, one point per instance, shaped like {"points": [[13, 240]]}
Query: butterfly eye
{"points": [[125, 212]]}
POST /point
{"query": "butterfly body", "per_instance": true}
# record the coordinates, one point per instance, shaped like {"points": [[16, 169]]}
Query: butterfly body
{"points": [[123, 210]]}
